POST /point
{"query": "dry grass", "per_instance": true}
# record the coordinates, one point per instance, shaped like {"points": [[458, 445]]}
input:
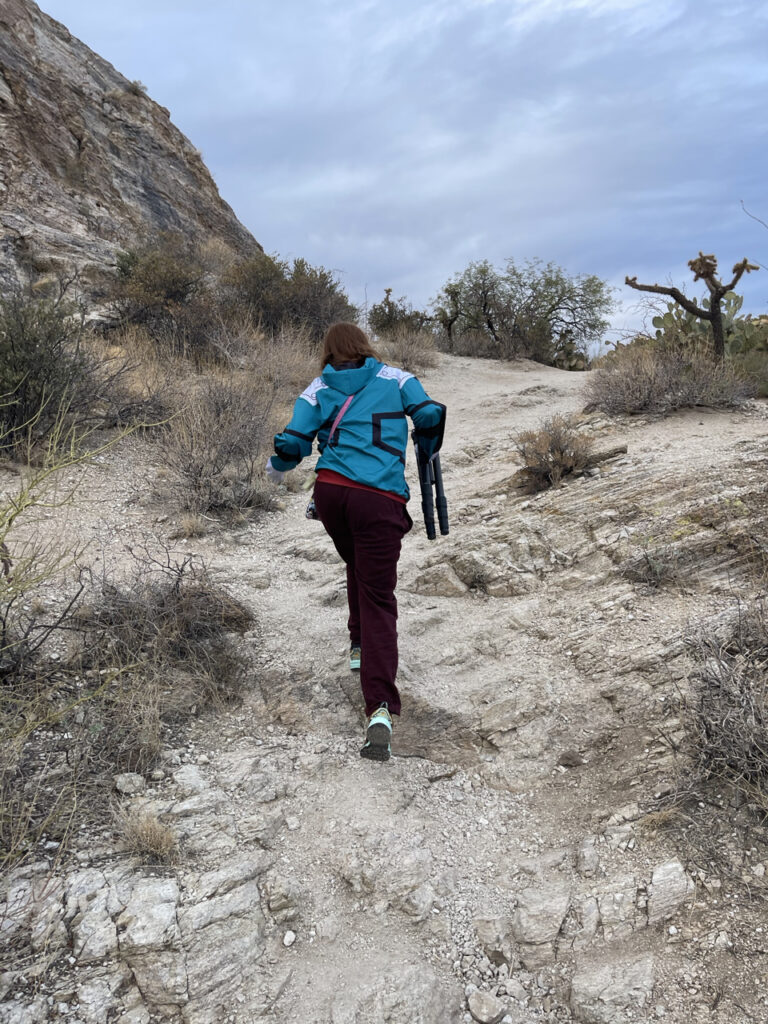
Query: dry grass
{"points": [[146, 836], [728, 717], [650, 378], [216, 446], [654, 565], [556, 450], [151, 651], [410, 349], [189, 526]]}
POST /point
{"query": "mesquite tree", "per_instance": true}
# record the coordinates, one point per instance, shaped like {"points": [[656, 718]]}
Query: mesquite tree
{"points": [[704, 268]]}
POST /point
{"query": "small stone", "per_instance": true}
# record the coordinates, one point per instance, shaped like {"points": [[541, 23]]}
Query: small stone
{"points": [[129, 783], [485, 1008], [516, 990], [288, 939], [571, 759], [669, 888]]}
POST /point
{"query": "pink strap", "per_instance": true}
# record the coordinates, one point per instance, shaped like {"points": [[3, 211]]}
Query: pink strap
{"points": [[337, 421]]}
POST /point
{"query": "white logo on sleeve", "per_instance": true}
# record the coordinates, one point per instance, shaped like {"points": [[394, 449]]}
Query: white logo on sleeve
{"points": [[394, 373], [309, 394]]}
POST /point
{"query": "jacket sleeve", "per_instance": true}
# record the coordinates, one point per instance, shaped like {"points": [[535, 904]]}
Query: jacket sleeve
{"points": [[428, 416], [295, 442]]}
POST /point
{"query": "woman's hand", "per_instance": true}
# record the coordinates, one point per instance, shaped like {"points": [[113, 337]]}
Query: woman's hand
{"points": [[275, 475]]}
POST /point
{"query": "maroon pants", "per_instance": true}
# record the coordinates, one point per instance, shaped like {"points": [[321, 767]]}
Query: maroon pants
{"points": [[366, 529]]}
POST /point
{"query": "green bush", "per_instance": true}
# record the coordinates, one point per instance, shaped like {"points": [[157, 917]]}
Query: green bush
{"points": [[44, 370], [535, 310], [391, 316], [162, 287], [190, 301], [281, 295]]}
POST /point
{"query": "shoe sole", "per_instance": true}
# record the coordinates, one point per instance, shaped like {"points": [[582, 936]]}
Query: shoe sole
{"points": [[377, 745]]}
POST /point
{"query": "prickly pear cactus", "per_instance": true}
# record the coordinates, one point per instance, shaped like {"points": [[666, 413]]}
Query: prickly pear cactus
{"points": [[743, 334], [568, 355]]}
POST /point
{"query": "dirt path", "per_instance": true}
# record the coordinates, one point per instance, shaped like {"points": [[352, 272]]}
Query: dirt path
{"points": [[500, 863]]}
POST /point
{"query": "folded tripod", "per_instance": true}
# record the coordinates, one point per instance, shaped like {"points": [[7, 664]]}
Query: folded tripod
{"points": [[431, 477]]}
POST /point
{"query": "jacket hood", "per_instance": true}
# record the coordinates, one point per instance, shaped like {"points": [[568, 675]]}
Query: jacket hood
{"points": [[349, 382]]}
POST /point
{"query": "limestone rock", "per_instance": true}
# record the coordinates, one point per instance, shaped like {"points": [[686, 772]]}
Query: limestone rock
{"points": [[485, 1008], [234, 903], [222, 957], [669, 887], [495, 936], [537, 922], [415, 996], [149, 920], [587, 859], [619, 912], [94, 936], [97, 995], [161, 978], [282, 898], [21, 1012], [604, 993], [189, 779], [440, 581], [89, 163], [130, 783], [400, 875], [234, 872]]}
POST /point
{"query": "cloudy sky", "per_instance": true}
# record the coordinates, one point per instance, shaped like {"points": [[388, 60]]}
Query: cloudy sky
{"points": [[396, 141]]}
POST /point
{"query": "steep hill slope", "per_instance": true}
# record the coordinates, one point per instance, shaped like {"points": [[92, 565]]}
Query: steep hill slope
{"points": [[504, 864], [88, 162]]}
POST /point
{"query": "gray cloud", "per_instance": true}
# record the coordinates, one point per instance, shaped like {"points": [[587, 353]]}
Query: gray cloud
{"points": [[396, 141]]}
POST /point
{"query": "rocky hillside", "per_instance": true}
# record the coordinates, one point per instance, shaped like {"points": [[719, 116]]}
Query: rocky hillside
{"points": [[88, 162], [515, 862]]}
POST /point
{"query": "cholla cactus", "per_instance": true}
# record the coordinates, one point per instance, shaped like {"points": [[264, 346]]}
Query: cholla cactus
{"points": [[704, 268]]}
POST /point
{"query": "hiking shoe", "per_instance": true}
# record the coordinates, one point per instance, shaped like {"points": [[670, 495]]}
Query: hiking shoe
{"points": [[378, 735], [354, 658]]}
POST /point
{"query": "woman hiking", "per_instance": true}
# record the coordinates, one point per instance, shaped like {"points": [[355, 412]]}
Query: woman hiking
{"points": [[357, 410]]}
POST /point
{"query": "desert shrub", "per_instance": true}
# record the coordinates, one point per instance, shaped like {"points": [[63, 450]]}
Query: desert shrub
{"points": [[37, 693], [154, 279], [162, 287], [163, 638], [197, 303], [647, 377], [44, 370], [727, 717], [534, 310], [391, 316], [555, 450], [279, 295], [412, 350], [216, 445], [94, 673], [653, 565]]}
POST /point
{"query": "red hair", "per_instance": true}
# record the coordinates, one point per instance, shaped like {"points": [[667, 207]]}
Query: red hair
{"points": [[344, 343]]}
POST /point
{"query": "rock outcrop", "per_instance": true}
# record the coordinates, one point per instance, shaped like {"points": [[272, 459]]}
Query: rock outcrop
{"points": [[88, 162]]}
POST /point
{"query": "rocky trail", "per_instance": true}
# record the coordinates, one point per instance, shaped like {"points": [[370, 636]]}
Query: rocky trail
{"points": [[507, 863]]}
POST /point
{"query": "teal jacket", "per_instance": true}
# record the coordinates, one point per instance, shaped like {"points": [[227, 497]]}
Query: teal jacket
{"points": [[370, 442]]}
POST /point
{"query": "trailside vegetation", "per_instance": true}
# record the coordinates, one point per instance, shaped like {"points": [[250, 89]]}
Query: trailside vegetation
{"points": [[534, 310], [705, 269]]}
